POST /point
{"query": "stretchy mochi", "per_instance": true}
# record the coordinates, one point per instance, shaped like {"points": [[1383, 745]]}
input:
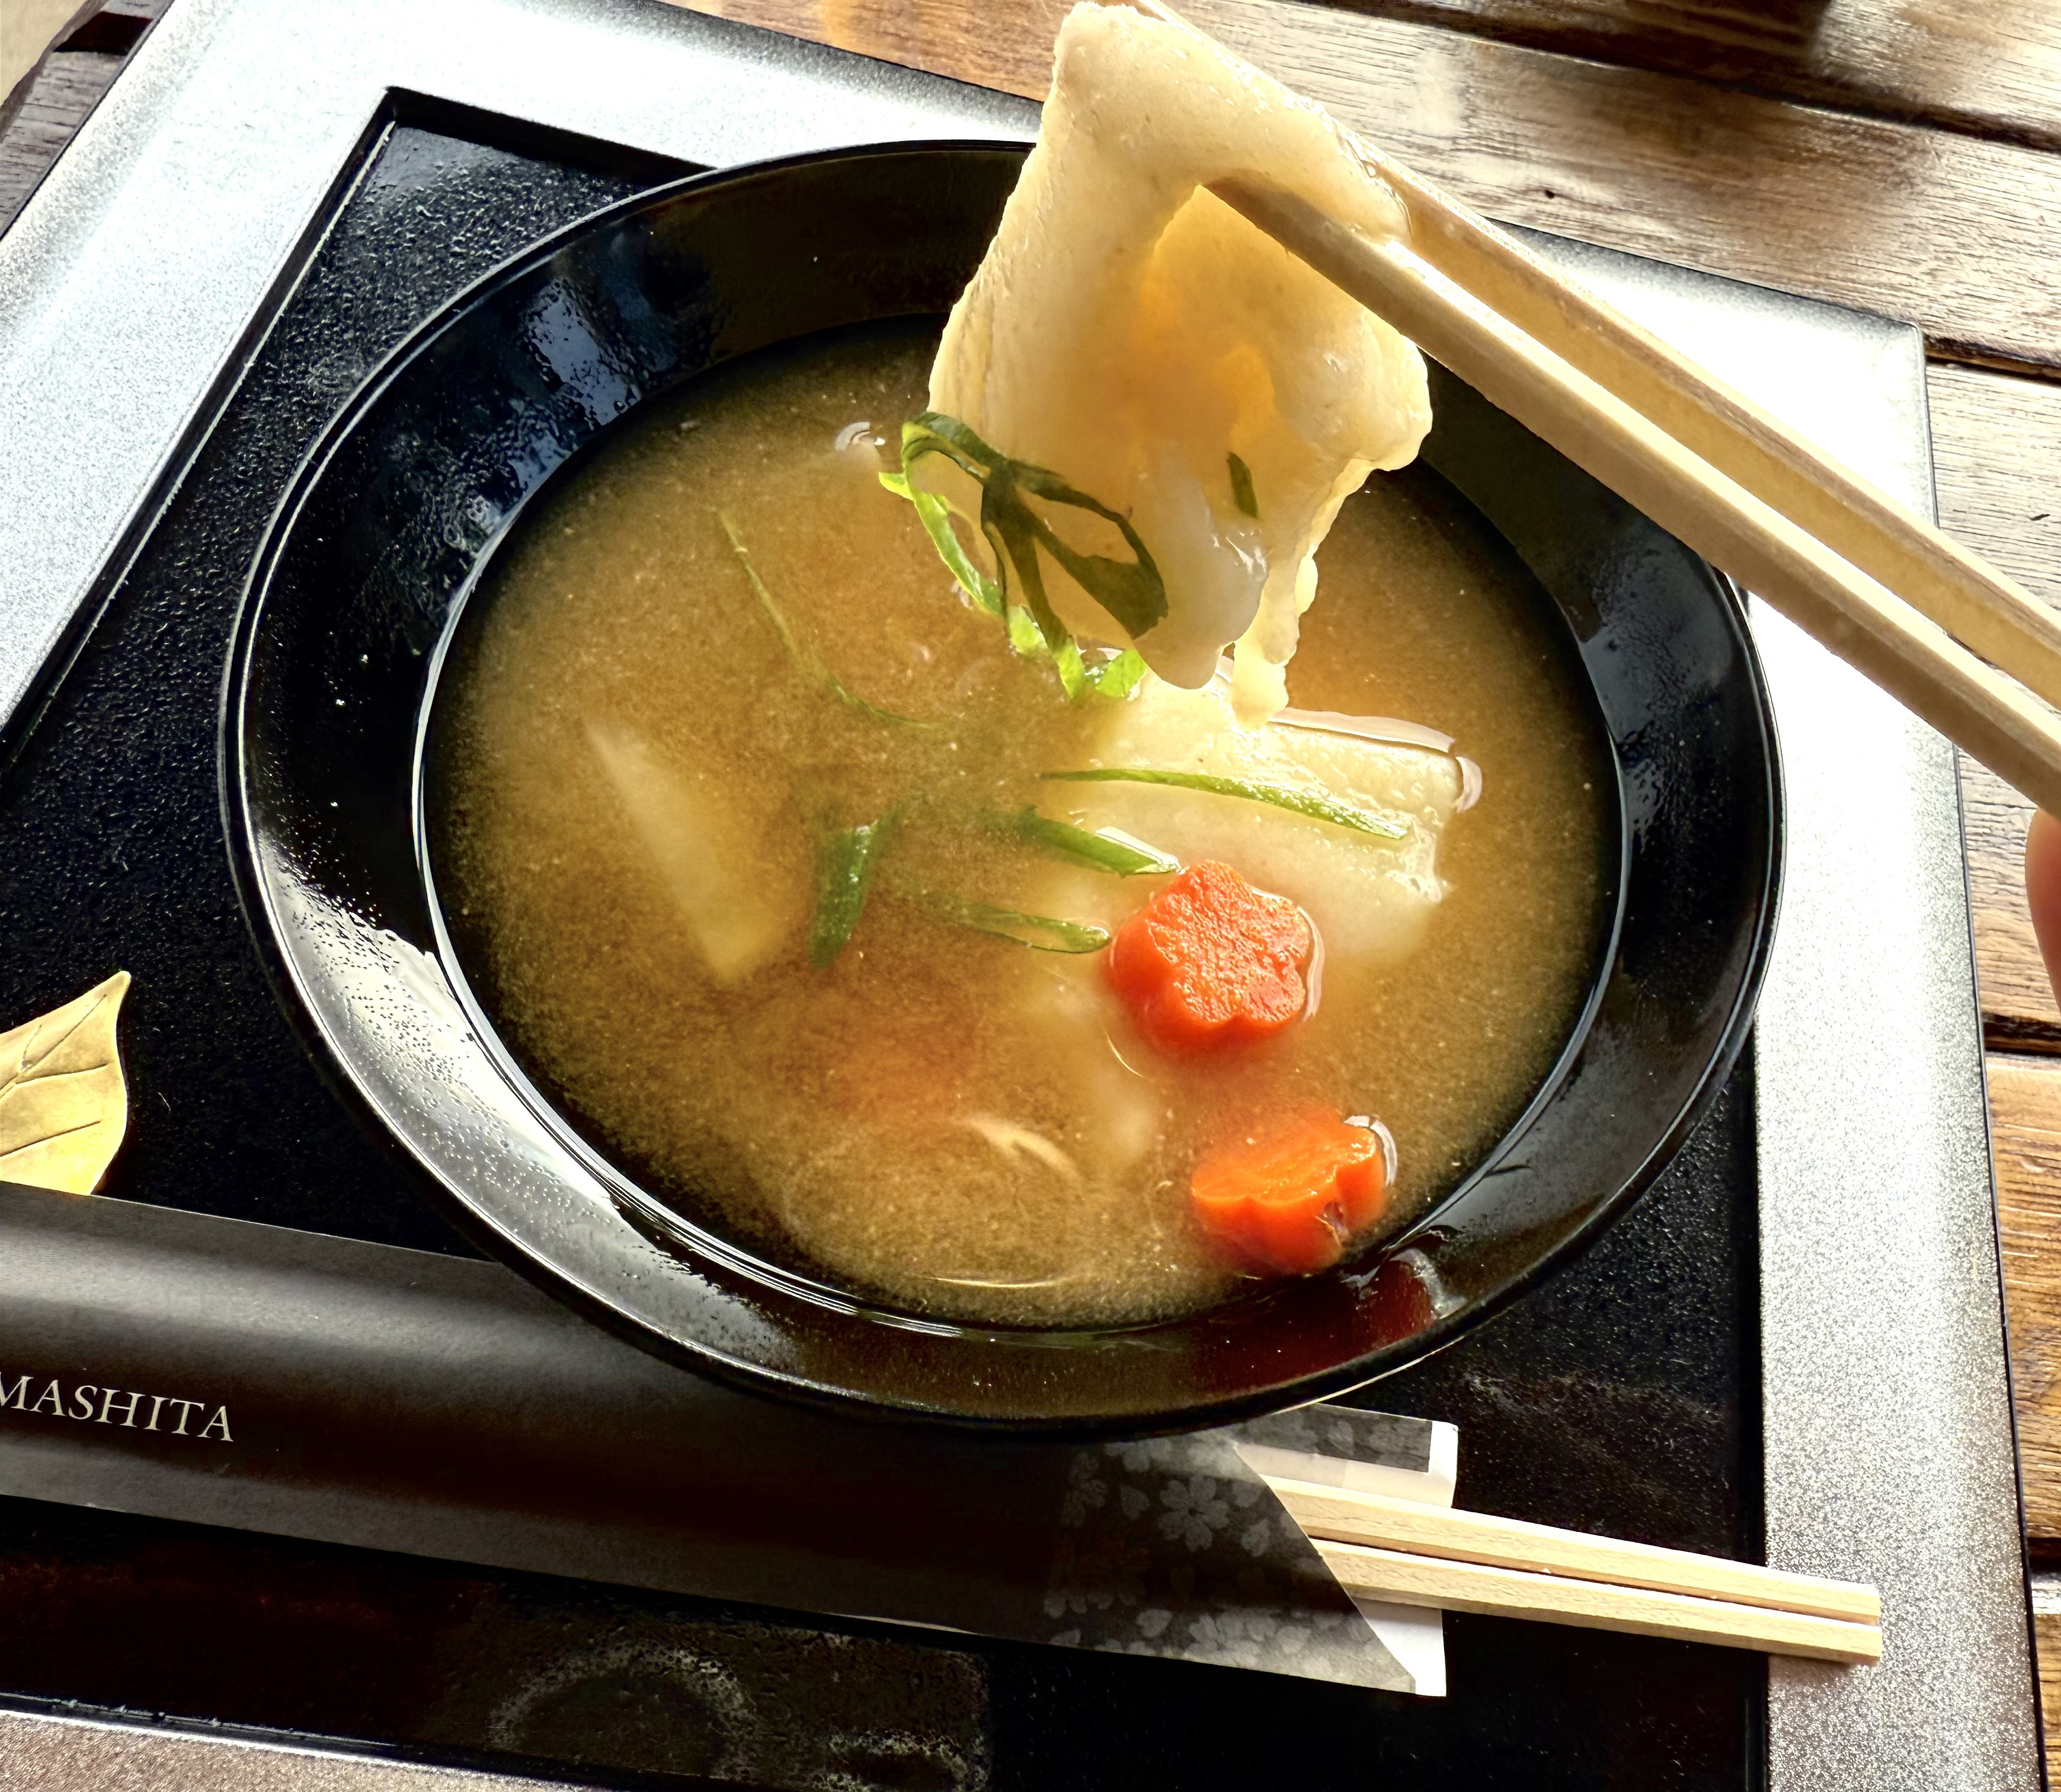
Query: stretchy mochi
{"points": [[1130, 332]]}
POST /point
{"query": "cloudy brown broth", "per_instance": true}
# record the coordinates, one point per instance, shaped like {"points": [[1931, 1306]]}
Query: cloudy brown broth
{"points": [[939, 1118]]}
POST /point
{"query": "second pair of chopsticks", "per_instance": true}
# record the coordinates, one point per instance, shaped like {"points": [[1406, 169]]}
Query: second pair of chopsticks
{"points": [[1415, 1555], [1869, 579]]}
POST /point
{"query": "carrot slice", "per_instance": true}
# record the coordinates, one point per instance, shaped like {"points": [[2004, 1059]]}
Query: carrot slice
{"points": [[1210, 961], [1289, 1200]]}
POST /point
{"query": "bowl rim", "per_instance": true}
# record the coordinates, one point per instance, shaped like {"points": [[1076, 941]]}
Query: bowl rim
{"points": [[267, 928]]}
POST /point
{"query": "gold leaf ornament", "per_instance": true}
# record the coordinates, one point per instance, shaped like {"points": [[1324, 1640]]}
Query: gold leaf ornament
{"points": [[64, 1106]]}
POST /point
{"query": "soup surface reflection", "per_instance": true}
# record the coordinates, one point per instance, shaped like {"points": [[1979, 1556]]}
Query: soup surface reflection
{"points": [[718, 649]]}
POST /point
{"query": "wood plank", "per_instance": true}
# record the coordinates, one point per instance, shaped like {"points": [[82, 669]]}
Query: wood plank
{"points": [[1992, 68], [1006, 47], [1870, 212], [1996, 456], [117, 28], [28, 28], [1996, 444], [1864, 212], [67, 87], [2019, 1009], [52, 105], [2025, 1133], [2047, 1658]]}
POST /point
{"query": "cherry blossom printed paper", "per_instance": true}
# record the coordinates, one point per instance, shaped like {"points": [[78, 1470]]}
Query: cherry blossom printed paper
{"points": [[1176, 1546]]}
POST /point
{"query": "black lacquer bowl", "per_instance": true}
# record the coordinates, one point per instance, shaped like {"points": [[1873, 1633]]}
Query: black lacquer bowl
{"points": [[387, 531]]}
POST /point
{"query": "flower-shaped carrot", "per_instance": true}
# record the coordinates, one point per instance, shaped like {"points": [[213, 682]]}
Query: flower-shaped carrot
{"points": [[1210, 962], [1290, 1199]]}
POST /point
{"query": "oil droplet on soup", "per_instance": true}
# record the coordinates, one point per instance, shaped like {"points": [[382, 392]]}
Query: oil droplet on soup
{"points": [[636, 768]]}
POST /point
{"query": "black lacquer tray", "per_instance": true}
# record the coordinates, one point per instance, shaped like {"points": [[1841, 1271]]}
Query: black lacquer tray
{"points": [[1623, 1397]]}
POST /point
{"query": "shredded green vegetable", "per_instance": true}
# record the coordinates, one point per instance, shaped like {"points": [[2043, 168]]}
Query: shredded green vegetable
{"points": [[1103, 849], [1241, 493], [804, 661], [1312, 803], [1042, 933], [1130, 591], [1112, 676], [936, 515], [1081, 678], [845, 861]]}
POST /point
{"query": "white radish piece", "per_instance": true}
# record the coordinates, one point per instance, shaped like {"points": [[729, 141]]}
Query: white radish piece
{"points": [[706, 855]]}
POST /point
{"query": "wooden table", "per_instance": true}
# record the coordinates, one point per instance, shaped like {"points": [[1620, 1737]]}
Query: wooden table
{"points": [[1902, 156]]}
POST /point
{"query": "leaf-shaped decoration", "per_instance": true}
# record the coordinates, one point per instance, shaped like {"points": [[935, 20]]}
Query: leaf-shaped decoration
{"points": [[64, 1106]]}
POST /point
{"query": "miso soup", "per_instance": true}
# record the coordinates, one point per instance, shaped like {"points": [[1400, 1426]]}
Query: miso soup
{"points": [[771, 860]]}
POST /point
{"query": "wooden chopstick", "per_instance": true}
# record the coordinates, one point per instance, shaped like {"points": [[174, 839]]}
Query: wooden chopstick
{"points": [[1421, 1580], [1887, 540], [1871, 626], [1871, 580], [1344, 1515], [1411, 1553]]}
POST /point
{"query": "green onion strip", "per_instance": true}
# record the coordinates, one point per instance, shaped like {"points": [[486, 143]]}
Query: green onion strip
{"points": [[1317, 806], [1042, 933], [804, 661], [1241, 486], [1130, 591], [1107, 849], [845, 861]]}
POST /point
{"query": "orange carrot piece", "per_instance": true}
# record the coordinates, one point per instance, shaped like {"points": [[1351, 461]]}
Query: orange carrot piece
{"points": [[1289, 1200], [1210, 961]]}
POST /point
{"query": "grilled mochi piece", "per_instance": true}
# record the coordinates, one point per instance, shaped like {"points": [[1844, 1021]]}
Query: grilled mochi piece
{"points": [[1130, 332]]}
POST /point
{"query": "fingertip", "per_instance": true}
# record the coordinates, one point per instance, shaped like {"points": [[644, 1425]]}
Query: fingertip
{"points": [[2043, 889]]}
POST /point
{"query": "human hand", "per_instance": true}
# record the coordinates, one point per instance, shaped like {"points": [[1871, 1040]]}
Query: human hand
{"points": [[2042, 889]]}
